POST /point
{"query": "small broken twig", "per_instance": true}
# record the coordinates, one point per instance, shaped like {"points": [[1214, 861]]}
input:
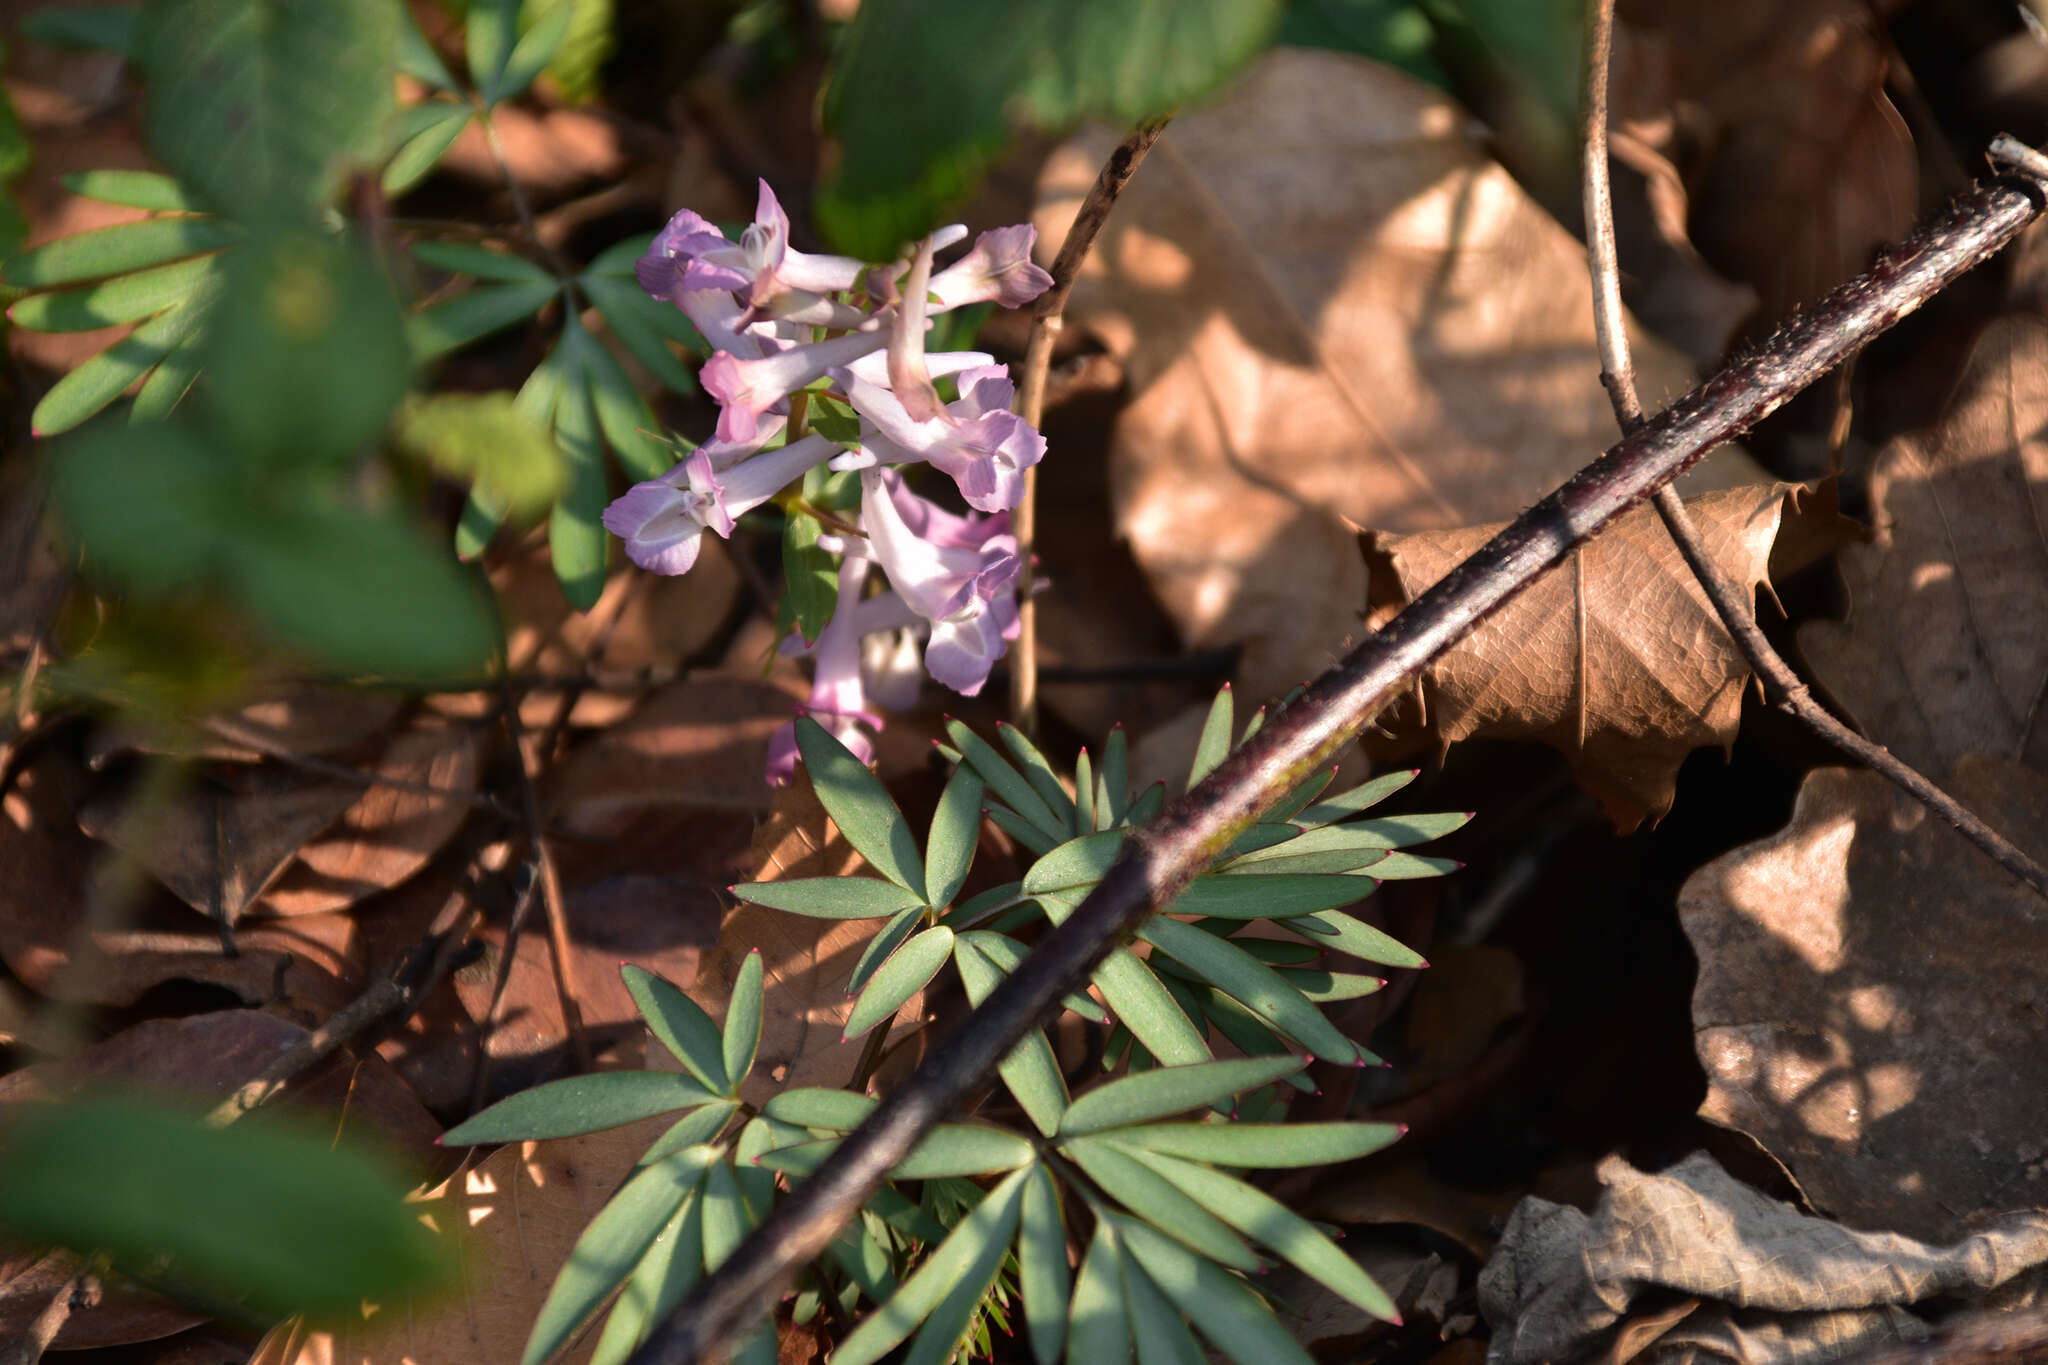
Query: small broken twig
{"points": [[1617, 375], [1048, 320]]}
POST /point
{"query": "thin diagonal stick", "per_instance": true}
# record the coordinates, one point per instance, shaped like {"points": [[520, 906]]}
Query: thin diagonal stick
{"points": [[1617, 375], [1048, 319], [1160, 859]]}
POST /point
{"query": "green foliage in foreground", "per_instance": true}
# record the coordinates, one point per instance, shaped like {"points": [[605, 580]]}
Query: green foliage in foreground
{"points": [[1142, 1173]]}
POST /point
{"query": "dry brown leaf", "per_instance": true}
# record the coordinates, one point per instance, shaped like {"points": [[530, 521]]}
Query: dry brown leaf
{"points": [[1871, 997], [388, 834], [1945, 652], [1796, 163], [1774, 1284], [1615, 658], [1331, 304], [296, 718]]}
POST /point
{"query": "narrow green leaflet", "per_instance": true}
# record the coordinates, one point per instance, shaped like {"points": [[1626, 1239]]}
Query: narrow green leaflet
{"points": [[425, 133], [830, 897], [956, 825], [580, 1104], [125, 298], [1346, 804], [947, 1326], [1031, 1072], [1214, 745], [1039, 772], [1301, 798], [1336, 930], [817, 1107], [531, 54], [862, 808], [1170, 1090], [1264, 1146], [979, 1240], [1042, 1273], [623, 415], [1250, 1034], [132, 189], [1236, 1320], [1329, 987], [1115, 795], [453, 323], [810, 576], [1408, 866], [1252, 983], [681, 1025], [577, 541], [886, 941], [1275, 897], [1076, 864], [1138, 998], [168, 382], [665, 1273], [260, 105], [118, 250], [692, 1129], [1008, 955], [536, 402], [416, 56], [470, 258], [644, 326], [100, 380], [727, 1217], [311, 1228], [1005, 782], [742, 1037], [908, 971], [1085, 820], [1163, 1335], [1158, 1201], [1098, 1326]]}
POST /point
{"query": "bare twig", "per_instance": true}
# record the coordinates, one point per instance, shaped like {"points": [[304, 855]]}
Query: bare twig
{"points": [[383, 997], [29, 1347], [1617, 374], [1048, 320], [1160, 859]]}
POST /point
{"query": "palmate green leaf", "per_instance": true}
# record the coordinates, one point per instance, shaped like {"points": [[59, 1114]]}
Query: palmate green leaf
{"points": [[1098, 1324], [124, 298], [1263, 1146], [974, 1248], [948, 1325], [741, 1041], [131, 189], [453, 323], [642, 327], [1042, 1274], [470, 258], [861, 806], [1335, 930], [666, 1272], [416, 56], [1038, 771], [1059, 61], [1214, 745], [577, 541], [985, 905], [536, 401], [681, 1025], [532, 53], [580, 1104], [1276, 1226], [1276, 897], [908, 971], [810, 576], [425, 132], [956, 825], [1006, 783], [259, 105], [1346, 804], [886, 940], [1162, 1334], [1170, 1090], [1252, 983], [614, 1243], [1236, 1320], [1246, 1031], [106, 376], [830, 897], [1022, 830], [1148, 1010], [1030, 1071], [692, 1129], [313, 1228], [622, 414], [119, 250], [489, 31], [1158, 1201]]}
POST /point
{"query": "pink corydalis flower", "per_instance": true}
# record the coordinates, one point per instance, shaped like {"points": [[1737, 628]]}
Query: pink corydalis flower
{"points": [[976, 440], [662, 521], [958, 573], [692, 254], [745, 389], [838, 701], [997, 269]]}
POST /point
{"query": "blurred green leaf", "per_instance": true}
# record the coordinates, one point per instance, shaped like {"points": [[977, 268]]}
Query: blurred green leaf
{"points": [[259, 105], [469, 258], [623, 416], [423, 135], [119, 249], [681, 1026], [810, 576], [310, 1227], [484, 439], [614, 1243], [644, 326], [741, 1039], [861, 806], [132, 189], [974, 1247], [580, 1104], [305, 350], [1395, 32], [416, 56], [956, 825], [580, 56], [169, 382], [536, 400], [490, 29], [577, 541], [144, 503], [535, 48], [1170, 1090], [960, 81], [125, 298], [452, 323], [92, 28], [908, 971], [830, 897]]}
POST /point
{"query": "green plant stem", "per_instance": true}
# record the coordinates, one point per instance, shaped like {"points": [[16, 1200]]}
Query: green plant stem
{"points": [[1159, 860]]}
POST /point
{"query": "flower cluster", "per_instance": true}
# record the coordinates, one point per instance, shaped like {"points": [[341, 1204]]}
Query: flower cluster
{"points": [[782, 321]]}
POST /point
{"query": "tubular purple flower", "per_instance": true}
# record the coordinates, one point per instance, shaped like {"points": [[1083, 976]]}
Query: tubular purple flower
{"points": [[663, 520], [837, 700], [908, 378], [955, 572], [998, 269], [749, 387], [976, 439], [691, 254]]}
